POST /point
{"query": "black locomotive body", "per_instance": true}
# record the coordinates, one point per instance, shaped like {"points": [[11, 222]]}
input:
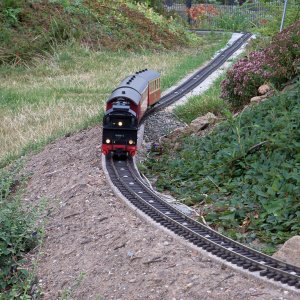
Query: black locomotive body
{"points": [[124, 110]]}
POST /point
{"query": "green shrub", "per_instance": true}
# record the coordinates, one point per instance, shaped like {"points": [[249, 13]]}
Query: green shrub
{"points": [[11, 4]]}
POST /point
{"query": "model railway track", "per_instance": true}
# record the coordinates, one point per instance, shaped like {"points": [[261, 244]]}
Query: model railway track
{"points": [[198, 77], [127, 180], [125, 177]]}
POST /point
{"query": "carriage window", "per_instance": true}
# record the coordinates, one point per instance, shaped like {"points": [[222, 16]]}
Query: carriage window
{"points": [[154, 85]]}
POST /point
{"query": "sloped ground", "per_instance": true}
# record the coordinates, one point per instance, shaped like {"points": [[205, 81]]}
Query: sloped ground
{"points": [[96, 248], [96, 24]]}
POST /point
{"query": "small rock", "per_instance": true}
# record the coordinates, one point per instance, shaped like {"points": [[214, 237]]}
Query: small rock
{"points": [[79, 138], [290, 251], [130, 254], [257, 99], [263, 89], [203, 122], [189, 285], [176, 134], [86, 241]]}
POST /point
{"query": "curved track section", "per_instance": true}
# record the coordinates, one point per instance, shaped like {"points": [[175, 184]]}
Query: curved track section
{"points": [[125, 177], [198, 77], [127, 180]]}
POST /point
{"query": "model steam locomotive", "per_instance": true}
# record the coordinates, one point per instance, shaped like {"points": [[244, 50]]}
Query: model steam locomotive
{"points": [[124, 110]]}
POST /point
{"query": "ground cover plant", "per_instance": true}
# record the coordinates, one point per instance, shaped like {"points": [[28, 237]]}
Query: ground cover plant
{"points": [[275, 64], [245, 174]]}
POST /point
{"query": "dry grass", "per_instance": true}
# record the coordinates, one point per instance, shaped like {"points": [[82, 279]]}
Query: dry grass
{"points": [[68, 89], [31, 123]]}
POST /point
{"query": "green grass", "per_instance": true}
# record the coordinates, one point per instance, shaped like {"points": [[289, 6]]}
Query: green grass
{"points": [[209, 101], [190, 62], [66, 92], [245, 173]]}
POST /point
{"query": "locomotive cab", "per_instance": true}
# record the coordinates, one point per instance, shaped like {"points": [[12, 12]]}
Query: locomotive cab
{"points": [[120, 126], [125, 109]]}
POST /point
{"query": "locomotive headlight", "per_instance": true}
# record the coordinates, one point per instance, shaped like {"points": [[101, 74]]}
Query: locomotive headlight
{"points": [[120, 124], [130, 142], [107, 141]]}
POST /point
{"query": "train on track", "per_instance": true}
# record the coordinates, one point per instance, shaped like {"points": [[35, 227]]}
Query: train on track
{"points": [[124, 110]]}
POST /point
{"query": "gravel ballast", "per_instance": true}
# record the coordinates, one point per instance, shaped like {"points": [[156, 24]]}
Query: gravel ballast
{"points": [[96, 248]]}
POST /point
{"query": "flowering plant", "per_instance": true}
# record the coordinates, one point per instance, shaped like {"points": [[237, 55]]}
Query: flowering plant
{"points": [[277, 63], [202, 11]]}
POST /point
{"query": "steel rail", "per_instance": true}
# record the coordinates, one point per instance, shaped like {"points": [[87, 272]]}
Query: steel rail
{"points": [[129, 182], [198, 77]]}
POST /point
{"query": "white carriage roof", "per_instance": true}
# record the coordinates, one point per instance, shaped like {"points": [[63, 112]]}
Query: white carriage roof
{"points": [[133, 86]]}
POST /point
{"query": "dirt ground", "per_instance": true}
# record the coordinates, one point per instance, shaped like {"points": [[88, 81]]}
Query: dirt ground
{"points": [[96, 248]]}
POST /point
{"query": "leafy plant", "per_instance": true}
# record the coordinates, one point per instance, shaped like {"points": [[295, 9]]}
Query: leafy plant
{"points": [[157, 5], [11, 14], [17, 236], [246, 171]]}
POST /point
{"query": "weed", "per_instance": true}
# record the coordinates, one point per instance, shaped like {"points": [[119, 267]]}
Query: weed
{"points": [[18, 235], [11, 14], [66, 294]]}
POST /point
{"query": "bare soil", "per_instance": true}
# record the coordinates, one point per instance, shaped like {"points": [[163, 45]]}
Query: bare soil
{"points": [[96, 248]]}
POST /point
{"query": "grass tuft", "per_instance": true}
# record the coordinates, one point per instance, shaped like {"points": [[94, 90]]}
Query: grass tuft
{"points": [[196, 106]]}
